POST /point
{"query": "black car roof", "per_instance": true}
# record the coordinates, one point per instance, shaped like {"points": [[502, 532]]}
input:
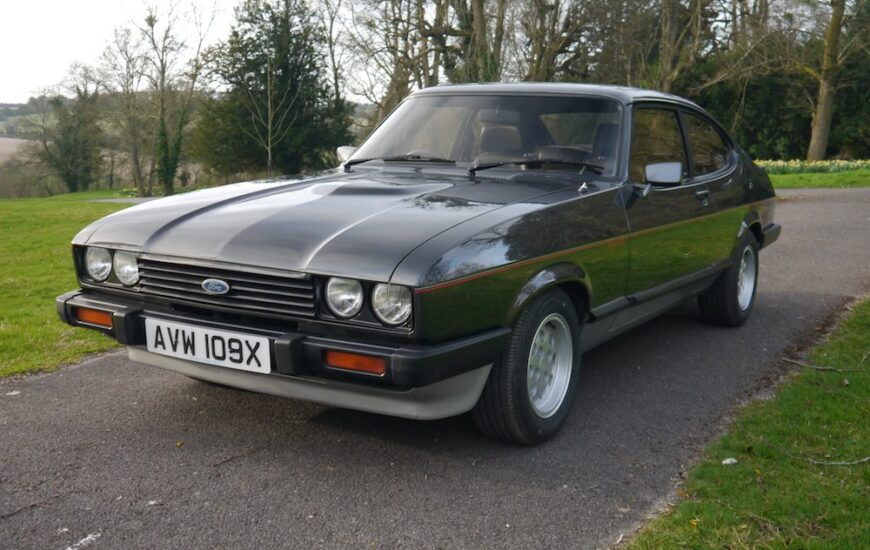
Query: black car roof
{"points": [[623, 94]]}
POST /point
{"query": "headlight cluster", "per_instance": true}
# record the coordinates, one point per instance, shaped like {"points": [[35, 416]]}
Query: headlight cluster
{"points": [[390, 303], [99, 263], [344, 297]]}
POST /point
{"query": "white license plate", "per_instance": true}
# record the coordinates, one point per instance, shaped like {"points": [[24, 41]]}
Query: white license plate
{"points": [[207, 345]]}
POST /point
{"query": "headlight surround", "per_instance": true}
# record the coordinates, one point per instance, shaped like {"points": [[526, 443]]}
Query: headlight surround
{"points": [[126, 267], [98, 263], [392, 303], [344, 296]]}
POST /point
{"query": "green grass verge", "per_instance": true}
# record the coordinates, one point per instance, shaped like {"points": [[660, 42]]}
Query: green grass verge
{"points": [[36, 267], [853, 178], [775, 496]]}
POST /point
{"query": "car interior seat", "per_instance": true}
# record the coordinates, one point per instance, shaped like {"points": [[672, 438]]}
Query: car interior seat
{"points": [[500, 143]]}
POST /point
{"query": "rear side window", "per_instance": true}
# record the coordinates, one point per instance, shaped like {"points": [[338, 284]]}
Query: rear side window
{"points": [[709, 151], [656, 138]]}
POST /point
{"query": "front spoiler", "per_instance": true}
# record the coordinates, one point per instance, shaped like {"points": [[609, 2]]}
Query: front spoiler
{"points": [[442, 399]]}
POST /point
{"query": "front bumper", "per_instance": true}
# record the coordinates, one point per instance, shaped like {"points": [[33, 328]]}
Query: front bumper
{"points": [[421, 381]]}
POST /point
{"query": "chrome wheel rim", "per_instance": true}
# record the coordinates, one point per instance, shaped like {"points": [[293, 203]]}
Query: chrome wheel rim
{"points": [[550, 360], [746, 278]]}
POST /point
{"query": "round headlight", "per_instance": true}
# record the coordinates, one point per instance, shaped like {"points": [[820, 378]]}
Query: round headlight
{"points": [[392, 303], [126, 268], [344, 296], [98, 263]]}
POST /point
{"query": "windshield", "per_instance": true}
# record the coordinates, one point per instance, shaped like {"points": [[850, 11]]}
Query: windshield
{"points": [[483, 129]]}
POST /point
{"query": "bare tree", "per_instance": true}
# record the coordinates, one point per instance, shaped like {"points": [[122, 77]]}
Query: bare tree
{"points": [[392, 48], [472, 41], [553, 32], [399, 45], [122, 72], [381, 39], [329, 13], [172, 83], [272, 113], [834, 57], [682, 30]]}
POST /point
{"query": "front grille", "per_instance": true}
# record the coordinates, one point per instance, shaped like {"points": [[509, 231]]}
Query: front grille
{"points": [[249, 291]]}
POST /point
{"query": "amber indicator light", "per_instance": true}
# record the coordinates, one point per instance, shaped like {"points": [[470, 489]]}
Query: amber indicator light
{"points": [[355, 362], [94, 317]]}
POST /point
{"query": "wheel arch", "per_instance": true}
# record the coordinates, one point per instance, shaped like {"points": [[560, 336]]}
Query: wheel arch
{"points": [[752, 223], [565, 275]]}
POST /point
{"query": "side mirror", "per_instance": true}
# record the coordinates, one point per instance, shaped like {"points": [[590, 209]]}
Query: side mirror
{"points": [[666, 174], [345, 152]]}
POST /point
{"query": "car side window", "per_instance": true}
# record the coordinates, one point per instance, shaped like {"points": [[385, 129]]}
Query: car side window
{"points": [[656, 138], [709, 151]]}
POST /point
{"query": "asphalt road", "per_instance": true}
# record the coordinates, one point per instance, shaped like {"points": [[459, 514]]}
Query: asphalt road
{"points": [[108, 454]]}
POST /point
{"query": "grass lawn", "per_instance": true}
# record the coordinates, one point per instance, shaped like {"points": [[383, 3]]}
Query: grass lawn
{"points": [[852, 178], [775, 496], [35, 237]]}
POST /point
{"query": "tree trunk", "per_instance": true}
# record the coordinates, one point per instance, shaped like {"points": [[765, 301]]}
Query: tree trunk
{"points": [[668, 45], [136, 158], [821, 122], [479, 47], [827, 85], [112, 168]]}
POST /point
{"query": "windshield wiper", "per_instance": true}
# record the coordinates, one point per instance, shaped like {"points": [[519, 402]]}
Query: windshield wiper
{"points": [[398, 158], [536, 162]]}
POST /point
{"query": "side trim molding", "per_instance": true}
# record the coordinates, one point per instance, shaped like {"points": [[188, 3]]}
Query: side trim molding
{"points": [[619, 304]]}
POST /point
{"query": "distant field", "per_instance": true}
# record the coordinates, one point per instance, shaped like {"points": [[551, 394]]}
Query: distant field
{"points": [[9, 147]]}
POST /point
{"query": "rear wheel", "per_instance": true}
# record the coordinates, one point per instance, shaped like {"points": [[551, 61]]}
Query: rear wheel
{"points": [[729, 301], [529, 392]]}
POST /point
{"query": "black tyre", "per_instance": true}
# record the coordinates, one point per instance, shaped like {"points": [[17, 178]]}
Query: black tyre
{"points": [[530, 390], [729, 301]]}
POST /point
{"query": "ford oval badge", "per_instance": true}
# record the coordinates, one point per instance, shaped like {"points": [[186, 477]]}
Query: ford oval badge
{"points": [[215, 286]]}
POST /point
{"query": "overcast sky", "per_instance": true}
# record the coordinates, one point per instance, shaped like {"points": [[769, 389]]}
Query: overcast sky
{"points": [[40, 39]]}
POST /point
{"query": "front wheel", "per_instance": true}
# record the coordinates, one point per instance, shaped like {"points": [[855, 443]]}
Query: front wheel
{"points": [[529, 392], [729, 301]]}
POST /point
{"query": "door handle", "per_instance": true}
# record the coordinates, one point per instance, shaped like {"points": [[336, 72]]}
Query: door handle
{"points": [[703, 196]]}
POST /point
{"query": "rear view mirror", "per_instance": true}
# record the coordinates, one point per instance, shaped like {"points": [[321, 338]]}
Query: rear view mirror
{"points": [[498, 116], [345, 152], [667, 174]]}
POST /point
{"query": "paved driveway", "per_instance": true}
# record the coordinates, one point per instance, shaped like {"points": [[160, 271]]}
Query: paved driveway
{"points": [[110, 454]]}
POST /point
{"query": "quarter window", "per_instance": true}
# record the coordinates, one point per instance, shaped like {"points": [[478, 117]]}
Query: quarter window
{"points": [[656, 138], [709, 151]]}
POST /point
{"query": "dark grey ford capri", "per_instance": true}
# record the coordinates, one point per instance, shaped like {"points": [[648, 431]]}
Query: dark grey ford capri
{"points": [[462, 259]]}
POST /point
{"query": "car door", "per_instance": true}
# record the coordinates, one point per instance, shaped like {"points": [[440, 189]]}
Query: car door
{"points": [[669, 226], [714, 164]]}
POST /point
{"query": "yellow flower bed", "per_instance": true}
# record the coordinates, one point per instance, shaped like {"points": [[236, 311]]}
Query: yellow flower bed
{"points": [[809, 166]]}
